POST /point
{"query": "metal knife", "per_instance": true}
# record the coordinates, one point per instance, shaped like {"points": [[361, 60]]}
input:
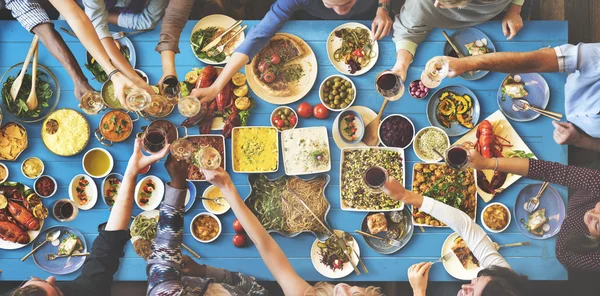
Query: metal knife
{"points": [[389, 241], [218, 39], [460, 55]]}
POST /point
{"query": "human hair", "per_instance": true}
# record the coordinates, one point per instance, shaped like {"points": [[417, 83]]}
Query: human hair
{"points": [[504, 282], [30, 290], [582, 243], [326, 289]]}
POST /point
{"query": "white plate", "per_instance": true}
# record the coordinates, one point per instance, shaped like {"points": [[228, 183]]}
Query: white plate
{"points": [[399, 150], [509, 133], [217, 20], [233, 135], [320, 134], [304, 85], [33, 234], [453, 265], [147, 214], [91, 190], [157, 194], [334, 43], [367, 115], [326, 271]]}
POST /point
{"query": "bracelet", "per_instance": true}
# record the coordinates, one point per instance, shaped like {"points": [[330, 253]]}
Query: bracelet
{"points": [[115, 71], [496, 168], [385, 6]]}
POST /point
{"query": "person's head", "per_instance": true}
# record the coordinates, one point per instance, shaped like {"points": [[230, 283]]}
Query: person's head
{"points": [[340, 7], [327, 289], [587, 243], [496, 281], [38, 287]]}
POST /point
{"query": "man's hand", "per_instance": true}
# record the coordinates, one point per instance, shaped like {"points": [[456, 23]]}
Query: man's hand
{"points": [[418, 276], [81, 89], [565, 133], [178, 170], [138, 160], [512, 21], [122, 85], [219, 178], [403, 60], [457, 66], [382, 24], [205, 95], [192, 268]]}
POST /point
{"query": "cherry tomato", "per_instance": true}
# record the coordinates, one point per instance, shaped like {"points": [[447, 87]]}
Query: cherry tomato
{"points": [[320, 111], [358, 52], [268, 76], [293, 120], [305, 110], [239, 240], [280, 124], [262, 66], [237, 226], [275, 59]]}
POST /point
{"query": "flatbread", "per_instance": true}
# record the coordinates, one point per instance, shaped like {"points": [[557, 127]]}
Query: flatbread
{"points": [[464, 255]]}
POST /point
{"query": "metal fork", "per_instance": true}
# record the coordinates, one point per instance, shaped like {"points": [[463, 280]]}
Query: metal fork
{"points": [[445, 257], [219, 49], [51, 257], [122, 34], [533, 203]]}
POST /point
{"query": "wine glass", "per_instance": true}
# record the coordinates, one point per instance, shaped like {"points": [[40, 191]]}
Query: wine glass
{"points": [[182, 149], [158, 107], [189, 106], [435, 71], [138, 99], [456, 157], [91, 102], [208, 158], [171, 88], [154, 139], [389, 85], [375, 177]]}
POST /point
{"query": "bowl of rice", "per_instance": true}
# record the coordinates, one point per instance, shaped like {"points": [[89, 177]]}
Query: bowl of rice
{"points": [[430, 138]]}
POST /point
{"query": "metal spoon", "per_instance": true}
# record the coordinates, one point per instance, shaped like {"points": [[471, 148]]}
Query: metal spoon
{"points": [[32, 100], [50, 236], [217, 200], [497, 246], [533, 203], [523, 105], [51, 257]]}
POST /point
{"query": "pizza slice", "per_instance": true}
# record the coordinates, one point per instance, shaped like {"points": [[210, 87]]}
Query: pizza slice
{"points": [[464, 255]]}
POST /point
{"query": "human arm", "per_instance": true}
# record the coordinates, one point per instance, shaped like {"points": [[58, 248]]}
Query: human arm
{"points": [[176, 15], [270, 252], [382, 24], [122, 63], [553, 172], [418, 275], [478, 242], [408, 33], [147, 19], [565, 133], [512, 21]]}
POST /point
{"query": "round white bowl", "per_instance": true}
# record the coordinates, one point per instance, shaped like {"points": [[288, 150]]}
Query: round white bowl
{"points": [[91, 190], [205, 202], [323, 85], [283, 108], [157, 194], [483, 221], [34, 177], [112, 163], [419, 133], [53, 181], [390, 116], [206, 214], [7, 172]]}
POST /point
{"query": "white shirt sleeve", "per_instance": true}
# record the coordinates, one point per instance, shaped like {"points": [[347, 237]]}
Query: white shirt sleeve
{"points": [[478, 242]]}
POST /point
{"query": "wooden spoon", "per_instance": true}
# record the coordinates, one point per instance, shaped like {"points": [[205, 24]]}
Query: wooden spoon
{"points": [[371, 136], [16, 86], [32, 100]]}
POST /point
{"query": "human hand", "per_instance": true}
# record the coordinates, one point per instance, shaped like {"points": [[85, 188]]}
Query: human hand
{"points": [[219, 178], [138, 160], [418, 275], [478, 162], [205, 95], [565, 133], [382, 24], [191, 267], [177, 170], [166, 74], [122, 84], [395, 189], [81, 89], [457, 66], [512, 21]]}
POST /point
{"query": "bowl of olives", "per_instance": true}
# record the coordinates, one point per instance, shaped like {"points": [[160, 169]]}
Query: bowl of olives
{"points": [[337, 92], [284, 118]]}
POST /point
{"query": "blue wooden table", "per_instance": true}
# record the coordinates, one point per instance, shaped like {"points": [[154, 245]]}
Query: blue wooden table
{"points": [[537, 260]]}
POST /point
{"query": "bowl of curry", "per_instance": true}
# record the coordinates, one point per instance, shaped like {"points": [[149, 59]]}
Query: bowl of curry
{"points": [[115, 126]]}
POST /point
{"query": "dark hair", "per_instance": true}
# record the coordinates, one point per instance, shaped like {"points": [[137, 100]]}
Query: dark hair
{"points": [[582, 243], [504, 282], [31, 290]]}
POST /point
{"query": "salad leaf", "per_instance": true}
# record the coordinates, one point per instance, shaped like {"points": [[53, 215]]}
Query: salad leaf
{"points": [[245, 114], [18, 106], [519, 154]]}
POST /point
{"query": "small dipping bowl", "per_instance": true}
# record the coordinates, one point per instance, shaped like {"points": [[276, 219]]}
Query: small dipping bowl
{"points": [[358, 121], [6, 170], [42, 177], [32, 177], [210, 215], [110, 159], [206, 205], [485, 225], [274, 113], [417, 87], [383, 122]]}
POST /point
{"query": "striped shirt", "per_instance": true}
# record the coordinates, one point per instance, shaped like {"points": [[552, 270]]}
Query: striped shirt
{"points": [[28, 12]]}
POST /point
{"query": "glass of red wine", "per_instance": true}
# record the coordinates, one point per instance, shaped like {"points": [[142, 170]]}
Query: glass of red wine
{"points": [[65, 210], [456, 157], [375, 177], [389, 85], [154, 139]]}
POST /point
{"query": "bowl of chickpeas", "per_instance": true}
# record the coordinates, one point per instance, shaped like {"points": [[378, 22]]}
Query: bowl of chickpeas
{"points": [[205, 227], [495, 217], [337, 92]]}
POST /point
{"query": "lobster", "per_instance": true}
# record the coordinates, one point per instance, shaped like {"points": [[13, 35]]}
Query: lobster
{"points": [[233, 120], [490, 145], [23, 216], [206, 123], [224, 98], [12, 233], [207, 77]]}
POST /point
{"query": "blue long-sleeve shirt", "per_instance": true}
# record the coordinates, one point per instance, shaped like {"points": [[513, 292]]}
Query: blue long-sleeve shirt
{"points": [[282, 10]]}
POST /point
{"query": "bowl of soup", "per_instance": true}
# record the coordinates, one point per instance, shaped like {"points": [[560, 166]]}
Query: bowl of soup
{"points": [[205, 227], [97, 162], [114, 126], [495, 217], [211, 206]]}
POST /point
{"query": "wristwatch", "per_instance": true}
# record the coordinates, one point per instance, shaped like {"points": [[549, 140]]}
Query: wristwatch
{"points": [[384, 5]]}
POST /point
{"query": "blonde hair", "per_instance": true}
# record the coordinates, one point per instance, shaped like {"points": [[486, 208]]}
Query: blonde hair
{"points": [[327, 289]]}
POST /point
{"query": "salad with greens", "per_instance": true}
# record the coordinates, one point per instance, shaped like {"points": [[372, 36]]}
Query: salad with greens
{"points": [[18, 106], [203, 37], [99, 74]]}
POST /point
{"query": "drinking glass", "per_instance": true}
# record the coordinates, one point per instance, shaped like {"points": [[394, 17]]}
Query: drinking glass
{"points": [[138, 99], [65, 210], [158, 107], [375, 177], [182, 149], [171, 88], [389, 85], [456, 157], [435, 71], [189, 106], [208, 158], [154, 139], [91, 102]]}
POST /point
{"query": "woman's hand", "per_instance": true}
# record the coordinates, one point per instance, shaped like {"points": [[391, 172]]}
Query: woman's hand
{"points": [[219, 178], [479, 162], [418, 275], [395, 190], [512, 21], [122, 84], [205, 95], [382, 24], [138, 160]]}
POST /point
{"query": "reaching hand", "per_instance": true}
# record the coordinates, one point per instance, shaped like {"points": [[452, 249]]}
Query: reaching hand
{"points": [[456, 67], [192, 268], [219, 178], [418, 275], [512, 22], [565, 133], [395, 190], [478, 162], [382, 24], [178, 170], [205, 95], [122, 84], [138, 160], [81, 89]]}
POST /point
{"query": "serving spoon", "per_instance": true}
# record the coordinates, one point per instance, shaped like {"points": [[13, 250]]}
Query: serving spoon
{"points": [[16, 86], [50, 236], [32, 100]]}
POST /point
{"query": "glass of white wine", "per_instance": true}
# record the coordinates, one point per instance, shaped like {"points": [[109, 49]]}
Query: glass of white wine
{"points": [[138, 99], [91, 103], [182, 149], [208, 158], [435, 71], [158, 107], [189, 106]]}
